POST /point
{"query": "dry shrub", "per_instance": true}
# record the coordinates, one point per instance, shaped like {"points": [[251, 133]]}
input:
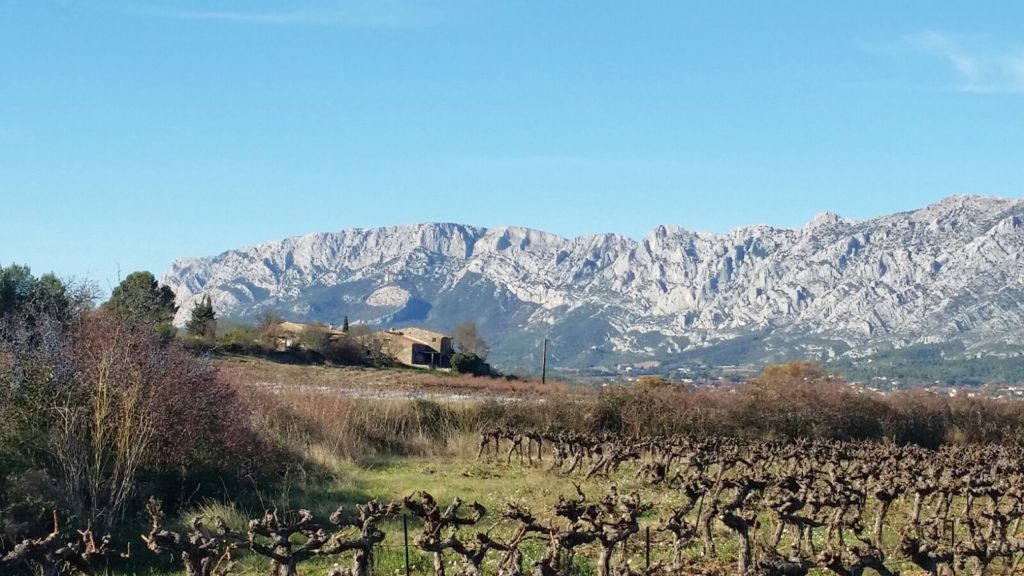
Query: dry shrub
{"points": [[662, 411], [789, 401], [316, 421], [140, 408], [198, 420], [802, 400], [355, 428], [103, 421], [654, 383], [932, 420], [983, 420], [552, 412]]}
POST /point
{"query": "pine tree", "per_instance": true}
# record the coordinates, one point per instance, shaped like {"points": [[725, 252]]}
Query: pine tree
{"points": [[140, 299], [344, 325], [203, 322]]}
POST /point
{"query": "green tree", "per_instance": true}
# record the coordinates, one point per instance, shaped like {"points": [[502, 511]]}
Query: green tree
{"points": [[203, 322], [469, 363], [33, 298], [344, 325], [17, 286], [52, 295], [140, 299]]}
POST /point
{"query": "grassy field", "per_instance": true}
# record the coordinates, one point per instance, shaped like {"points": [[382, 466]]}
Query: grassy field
{"points": [[355, 449], [453, 473], [250, 371], [456, 474]]}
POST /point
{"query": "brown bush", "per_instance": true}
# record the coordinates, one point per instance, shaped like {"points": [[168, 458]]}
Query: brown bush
{"points": [[196, 419], [802, 400], [131, 407]]}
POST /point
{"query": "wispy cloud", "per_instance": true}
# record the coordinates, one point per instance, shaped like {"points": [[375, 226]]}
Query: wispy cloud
{"points": [[976, 66], [350, 13]]}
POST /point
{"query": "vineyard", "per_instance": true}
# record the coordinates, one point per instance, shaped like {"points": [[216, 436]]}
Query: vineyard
{"points": [[692, 506]]}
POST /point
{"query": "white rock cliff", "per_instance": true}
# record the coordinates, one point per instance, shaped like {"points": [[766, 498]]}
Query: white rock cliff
{"points": [[951, 271]]}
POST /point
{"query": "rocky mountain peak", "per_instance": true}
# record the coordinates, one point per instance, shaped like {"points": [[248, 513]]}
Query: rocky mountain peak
{"points": [[823, 219], [948, 272]]}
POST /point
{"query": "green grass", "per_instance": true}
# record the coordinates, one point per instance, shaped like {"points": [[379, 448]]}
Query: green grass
{"points": [[491, 483]]}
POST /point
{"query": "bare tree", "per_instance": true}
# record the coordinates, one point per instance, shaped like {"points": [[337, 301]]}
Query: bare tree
{"points": [[103, 425], [468, 340]]}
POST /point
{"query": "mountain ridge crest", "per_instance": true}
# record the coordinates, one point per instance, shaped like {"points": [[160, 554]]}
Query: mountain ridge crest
{"points": [[949, 272]]}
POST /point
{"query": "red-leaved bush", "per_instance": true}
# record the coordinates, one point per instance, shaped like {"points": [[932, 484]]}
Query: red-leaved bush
{"points": [[136, 407]]}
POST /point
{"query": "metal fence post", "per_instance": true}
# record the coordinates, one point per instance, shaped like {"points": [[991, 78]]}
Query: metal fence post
{"points": [[405, 536], [647, 546]]}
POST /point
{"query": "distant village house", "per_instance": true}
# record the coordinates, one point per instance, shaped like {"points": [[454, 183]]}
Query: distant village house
{"points": [[288, 334]]}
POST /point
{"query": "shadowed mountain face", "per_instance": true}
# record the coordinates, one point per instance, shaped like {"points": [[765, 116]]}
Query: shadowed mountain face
{"points": [[950, 273]]}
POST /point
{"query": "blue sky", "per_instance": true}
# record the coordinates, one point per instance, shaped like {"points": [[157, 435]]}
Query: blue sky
{"points": [[136, 131]]}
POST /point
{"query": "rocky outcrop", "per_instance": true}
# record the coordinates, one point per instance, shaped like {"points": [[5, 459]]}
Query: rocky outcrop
{"points": [[948, 272]]}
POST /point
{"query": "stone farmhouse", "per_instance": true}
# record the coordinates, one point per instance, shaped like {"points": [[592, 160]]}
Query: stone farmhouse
{"points": [[287, 334], [415, 347], [418, 347]]}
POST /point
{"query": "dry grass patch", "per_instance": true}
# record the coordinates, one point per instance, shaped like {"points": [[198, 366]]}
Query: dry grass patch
{"points": [[255, 371]]}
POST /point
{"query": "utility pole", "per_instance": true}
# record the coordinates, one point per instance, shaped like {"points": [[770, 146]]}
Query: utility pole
{"points": [[544, 364]]}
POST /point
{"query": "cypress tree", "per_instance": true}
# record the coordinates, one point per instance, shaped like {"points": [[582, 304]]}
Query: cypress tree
{"points": [[203, 322]]}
